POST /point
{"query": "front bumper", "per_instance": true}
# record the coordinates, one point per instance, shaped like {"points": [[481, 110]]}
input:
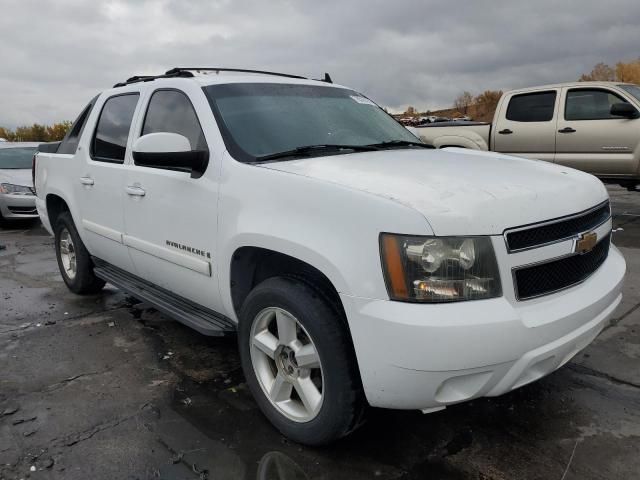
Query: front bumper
{"points": [[419, 356], [18, 206]]}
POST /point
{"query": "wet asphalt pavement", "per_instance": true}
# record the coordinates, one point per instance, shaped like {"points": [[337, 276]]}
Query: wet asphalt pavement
{"points": [[103, 387]]}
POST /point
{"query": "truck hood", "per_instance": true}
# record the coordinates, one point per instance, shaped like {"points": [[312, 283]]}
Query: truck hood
{"points": [[16, 176], [460, 192]]}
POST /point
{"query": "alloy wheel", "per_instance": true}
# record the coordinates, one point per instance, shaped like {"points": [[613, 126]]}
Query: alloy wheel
{"points": [[287, 364]]}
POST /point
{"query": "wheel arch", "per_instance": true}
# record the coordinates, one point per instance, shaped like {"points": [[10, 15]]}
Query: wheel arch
{"points": [[55, 206], [459, 141], [251, 265]]}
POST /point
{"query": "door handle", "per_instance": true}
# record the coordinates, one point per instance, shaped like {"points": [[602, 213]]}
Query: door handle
{"points": [[86, 180], [135, 191], [506, 131], [567, 130]]}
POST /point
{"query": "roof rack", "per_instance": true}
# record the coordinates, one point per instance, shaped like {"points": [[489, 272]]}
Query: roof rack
{"points": [[187, 72]]}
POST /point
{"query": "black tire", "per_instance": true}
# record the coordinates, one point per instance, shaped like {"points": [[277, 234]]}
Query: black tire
{"points": [[343, 405], [84, 282]]}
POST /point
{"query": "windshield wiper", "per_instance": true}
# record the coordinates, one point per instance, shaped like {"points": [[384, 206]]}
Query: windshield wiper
{"points": [[399, 143], [314, 149]]}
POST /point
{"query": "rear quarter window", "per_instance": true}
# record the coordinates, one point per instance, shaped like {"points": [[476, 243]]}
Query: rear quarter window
{"points": [[69, 144]]}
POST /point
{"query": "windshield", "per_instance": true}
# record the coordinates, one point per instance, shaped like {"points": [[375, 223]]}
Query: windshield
{"points": [[16, 157], [632, 89], [260, 119]]}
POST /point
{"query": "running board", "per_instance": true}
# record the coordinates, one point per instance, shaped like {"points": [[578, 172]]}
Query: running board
{"points": [[191, 314]]}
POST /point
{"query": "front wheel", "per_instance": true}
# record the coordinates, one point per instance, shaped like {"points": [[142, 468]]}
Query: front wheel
{"points": [[73, 258], [299, 363]]}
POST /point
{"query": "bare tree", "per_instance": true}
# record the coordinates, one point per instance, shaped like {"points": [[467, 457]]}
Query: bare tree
{"points": [[628, 72], [601, 72], [463, 102], [623, 72], [487, 102], [411, 111]]}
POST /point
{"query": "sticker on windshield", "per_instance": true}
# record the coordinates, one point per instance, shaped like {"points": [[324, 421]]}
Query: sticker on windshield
{"points": [[362, 100]]}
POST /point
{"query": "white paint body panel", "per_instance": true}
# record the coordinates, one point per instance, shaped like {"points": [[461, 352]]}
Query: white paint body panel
{"points": [[329, 213], [162, 142], [459, 191]]}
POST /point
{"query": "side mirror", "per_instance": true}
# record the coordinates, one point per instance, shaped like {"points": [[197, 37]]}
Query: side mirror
{"points": [[625, 110], [170, 151]]}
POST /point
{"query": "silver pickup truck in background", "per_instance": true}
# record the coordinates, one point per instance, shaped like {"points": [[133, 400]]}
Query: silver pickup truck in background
{"points": [[590, 126]]}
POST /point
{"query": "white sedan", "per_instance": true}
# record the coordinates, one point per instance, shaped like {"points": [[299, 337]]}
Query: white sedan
{"points": [[17, 199]]}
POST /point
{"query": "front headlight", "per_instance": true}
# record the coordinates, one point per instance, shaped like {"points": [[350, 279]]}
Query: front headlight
{"points": [[439, 269], [11, 188]]}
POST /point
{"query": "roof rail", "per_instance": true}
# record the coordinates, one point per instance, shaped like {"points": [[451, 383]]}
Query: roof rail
{"points": [[149, 78], [188, 72], [173, 71]]}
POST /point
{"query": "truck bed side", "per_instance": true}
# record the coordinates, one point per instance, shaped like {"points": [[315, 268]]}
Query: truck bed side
{"points": [[54, 177]]}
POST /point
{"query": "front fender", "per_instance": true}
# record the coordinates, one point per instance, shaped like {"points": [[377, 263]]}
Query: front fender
{"points": [[333, 228]]}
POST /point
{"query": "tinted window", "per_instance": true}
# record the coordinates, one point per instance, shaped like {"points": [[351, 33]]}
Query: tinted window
{"points": [[18, 157], [70, 142], [171, 111], [632, 89], [110, 140], [532, 107], [585, 104]]}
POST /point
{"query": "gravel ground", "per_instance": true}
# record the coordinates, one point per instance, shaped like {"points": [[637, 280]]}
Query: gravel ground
{"points": [[103, 387]]}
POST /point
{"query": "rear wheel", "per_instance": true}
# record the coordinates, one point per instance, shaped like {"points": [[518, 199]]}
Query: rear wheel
{"points": [[299, 363], [73, 258]]}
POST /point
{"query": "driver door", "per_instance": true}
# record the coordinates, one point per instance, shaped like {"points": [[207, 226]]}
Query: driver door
{"points": [[589, 138]]}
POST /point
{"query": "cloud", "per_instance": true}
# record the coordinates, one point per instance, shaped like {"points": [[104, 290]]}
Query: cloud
{"points": [[56, 54]]}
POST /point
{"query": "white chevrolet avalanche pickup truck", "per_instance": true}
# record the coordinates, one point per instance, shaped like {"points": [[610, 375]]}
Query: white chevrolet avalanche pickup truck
{"points": [[357, 265], [591, 126]]}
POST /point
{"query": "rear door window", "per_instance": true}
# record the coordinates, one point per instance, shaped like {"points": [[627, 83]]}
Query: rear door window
{"points": [[532, 107], [111, 135]]}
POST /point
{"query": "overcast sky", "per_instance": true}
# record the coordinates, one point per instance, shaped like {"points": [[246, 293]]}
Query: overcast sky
{"points": [[55, 55]]}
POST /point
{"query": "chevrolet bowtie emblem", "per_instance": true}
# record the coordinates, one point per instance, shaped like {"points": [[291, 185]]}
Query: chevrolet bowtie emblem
{"points": [[586, 242]]}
